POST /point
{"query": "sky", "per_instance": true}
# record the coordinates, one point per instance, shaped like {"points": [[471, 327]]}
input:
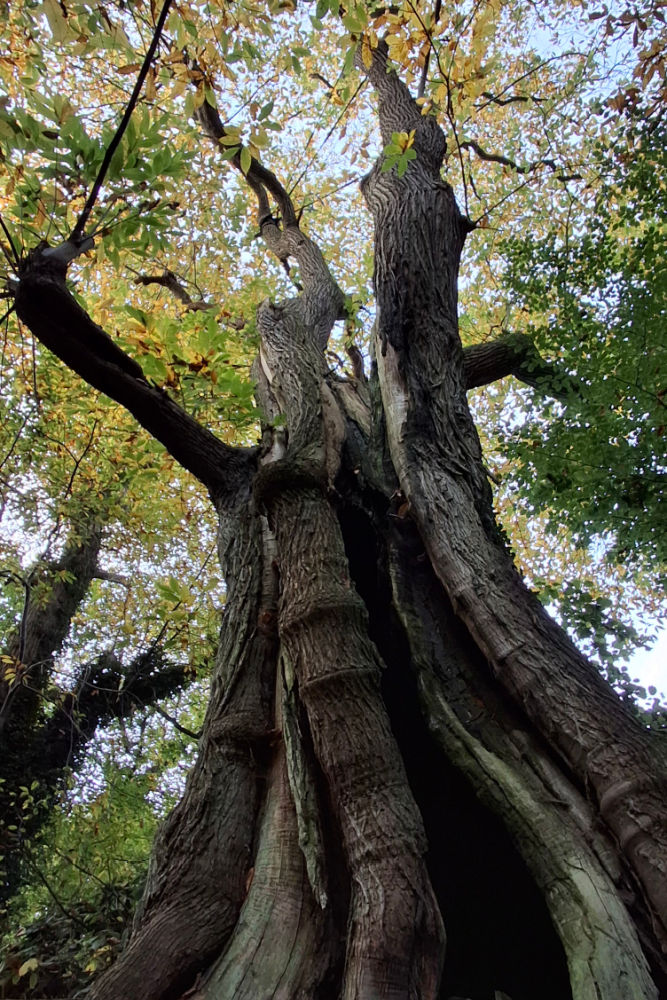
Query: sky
{"points": [[650, 666]]}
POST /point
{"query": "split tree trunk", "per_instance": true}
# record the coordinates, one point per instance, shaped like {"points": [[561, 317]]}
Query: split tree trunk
{"points": [[400, 744]]}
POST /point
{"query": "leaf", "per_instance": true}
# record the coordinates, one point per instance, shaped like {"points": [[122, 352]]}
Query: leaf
{"points": [[366, 53], [28, 966], [57, 20], [246, 160], [151, 89]]}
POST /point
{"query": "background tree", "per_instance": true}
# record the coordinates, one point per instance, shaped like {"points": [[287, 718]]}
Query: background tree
{"points": [[394, 723]]}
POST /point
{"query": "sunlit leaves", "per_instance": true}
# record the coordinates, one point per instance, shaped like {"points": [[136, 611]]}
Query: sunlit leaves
{"points": [[399, 152], [287, 87]]}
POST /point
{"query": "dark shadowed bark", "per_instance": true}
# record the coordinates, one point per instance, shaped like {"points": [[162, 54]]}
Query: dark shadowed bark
{"points": [[410, 783], [202, 865], [436, 453]]}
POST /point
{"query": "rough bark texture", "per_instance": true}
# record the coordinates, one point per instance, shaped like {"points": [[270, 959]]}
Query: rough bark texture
{"points": [[515, 354], [399, 739], [203, 855], [437, 457]]}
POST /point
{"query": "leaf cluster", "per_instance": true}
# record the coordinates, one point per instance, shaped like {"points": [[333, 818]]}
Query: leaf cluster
{"points": [[596, 296]]}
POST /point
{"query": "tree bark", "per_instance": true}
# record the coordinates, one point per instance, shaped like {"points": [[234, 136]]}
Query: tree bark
{"points": [[203, 854], [437, 457], [393, 718], [515, 354]]}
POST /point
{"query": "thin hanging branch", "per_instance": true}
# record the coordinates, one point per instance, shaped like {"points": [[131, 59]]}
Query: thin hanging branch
{"points": [[17, 256], [78, 231]]}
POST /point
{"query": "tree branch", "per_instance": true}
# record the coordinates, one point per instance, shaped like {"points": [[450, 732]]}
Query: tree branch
{"points": [[515, 354], [46, 306], [176, 724], [516, 99], [527, 169], [258, 176], [78, 231], [323, 303], [169, 281]]}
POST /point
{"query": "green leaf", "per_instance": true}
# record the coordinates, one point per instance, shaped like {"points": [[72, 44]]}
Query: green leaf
{"points": [[246, 160]]}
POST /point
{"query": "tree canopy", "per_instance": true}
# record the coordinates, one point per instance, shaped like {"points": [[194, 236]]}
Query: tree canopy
{"points": [[555, 126]]}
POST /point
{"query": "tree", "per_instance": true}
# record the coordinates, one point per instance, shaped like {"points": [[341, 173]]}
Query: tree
{"points": [[395, 725]]}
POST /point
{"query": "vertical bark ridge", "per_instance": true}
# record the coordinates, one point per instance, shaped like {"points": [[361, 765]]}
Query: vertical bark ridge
{"points": [[284, 945], [436, 453], [395, 938], [203, 852], [395, 943]]}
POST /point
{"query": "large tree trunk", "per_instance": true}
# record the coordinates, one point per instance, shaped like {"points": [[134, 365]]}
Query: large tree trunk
{"points": [[401, 747]]}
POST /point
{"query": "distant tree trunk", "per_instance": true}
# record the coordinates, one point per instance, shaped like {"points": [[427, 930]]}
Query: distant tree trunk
{"points": [[410, 783], [54, 591], [43, 729]]}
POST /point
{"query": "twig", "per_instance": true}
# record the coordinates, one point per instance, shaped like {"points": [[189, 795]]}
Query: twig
{"points": [[177, 725], [505, 161], [17, 257]]}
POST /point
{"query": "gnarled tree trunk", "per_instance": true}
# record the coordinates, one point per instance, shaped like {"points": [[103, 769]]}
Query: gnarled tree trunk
{"points": [[410, 783]]}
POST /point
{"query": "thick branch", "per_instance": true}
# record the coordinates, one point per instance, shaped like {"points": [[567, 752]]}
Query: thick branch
{"points": [[43, 753], [399, 112], [46, 306], [321, 302], [53, 592], [44, 626], [515, 354], [169, 281], [258, 176]]}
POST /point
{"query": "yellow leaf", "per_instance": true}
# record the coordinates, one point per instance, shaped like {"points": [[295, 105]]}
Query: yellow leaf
{"points": [[57, 20], [151, 92], [28, 966], [246, 160], [366, 54], [179, 88]]}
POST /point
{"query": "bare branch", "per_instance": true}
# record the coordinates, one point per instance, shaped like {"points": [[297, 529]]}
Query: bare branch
{"points": [[169, 281], [123, 581], [516, 99], [258, 176], [78, 231], [323, 302], [527, 169], [176, 724]]}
